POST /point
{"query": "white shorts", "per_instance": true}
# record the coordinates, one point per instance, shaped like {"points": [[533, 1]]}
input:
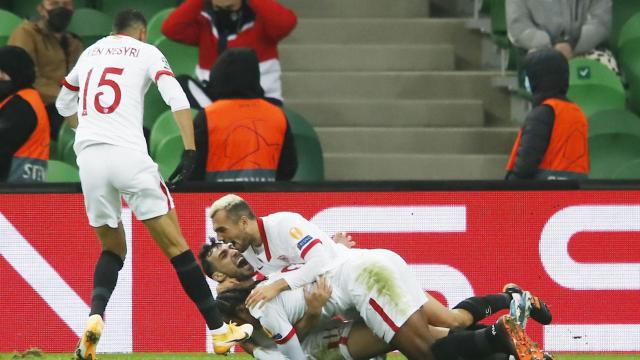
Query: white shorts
{"points": [[381, 287], [108, 172]]}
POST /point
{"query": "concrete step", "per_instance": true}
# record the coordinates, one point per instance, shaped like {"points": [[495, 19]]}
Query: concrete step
{"points": [[390, 113], [343, 140], [385, 30], [414, 167], [441, 85], [358, 8], [367, 57]]}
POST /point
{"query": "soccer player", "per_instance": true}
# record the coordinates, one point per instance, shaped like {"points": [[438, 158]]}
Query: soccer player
{"points": [[283, 314], [102, 99]]}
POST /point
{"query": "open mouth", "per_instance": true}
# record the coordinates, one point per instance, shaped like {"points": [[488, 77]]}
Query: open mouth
{"points": [[242, 262]]}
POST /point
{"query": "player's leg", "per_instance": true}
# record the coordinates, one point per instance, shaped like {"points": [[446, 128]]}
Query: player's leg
{"points": [[103, 206], [152, 203], [440, 315]]}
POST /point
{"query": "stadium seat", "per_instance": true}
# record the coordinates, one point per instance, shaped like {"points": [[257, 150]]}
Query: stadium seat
{"points": [[165, 126], [610, 152], [622, 11], [65, 136], [147, 7], [182, 58], [168, 154], [629, 171], [59, 171], [154, 106], [90, 25], [153, 28], [308, 148], [8, 23], [68, 155], [595, 87], [614, 121], [27, 8]]}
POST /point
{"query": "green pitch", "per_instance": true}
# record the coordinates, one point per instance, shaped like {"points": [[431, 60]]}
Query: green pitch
{"points": [[173, 356]]}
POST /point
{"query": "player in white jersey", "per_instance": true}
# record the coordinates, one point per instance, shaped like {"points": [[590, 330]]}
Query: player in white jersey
{"points": [[102, 99]]}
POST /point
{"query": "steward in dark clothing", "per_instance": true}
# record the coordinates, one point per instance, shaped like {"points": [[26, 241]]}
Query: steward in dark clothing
{"points": [[24, 124], [241, 136], [552, 144]]}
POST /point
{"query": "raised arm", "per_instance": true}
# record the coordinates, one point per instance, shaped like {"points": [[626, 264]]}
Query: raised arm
{"points": [[182, 25]]}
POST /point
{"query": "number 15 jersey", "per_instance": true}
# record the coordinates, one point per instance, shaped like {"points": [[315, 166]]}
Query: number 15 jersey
{"points": [[111, 78]]}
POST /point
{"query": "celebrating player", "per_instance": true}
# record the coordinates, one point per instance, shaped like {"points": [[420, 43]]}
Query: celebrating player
{"points": [[102, 98]]}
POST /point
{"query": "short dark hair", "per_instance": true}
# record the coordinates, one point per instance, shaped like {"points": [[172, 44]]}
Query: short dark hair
{"points": [[128, 18], [207, 267]]}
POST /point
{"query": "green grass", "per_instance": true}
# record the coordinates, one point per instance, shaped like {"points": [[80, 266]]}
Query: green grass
{"points": [[189, 356]]}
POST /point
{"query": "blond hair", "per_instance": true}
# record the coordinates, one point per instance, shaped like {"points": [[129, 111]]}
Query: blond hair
{"points": [[234, 205]]}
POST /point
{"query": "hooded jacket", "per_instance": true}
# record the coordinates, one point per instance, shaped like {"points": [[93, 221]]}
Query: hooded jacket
{"points": [[258, 25], [552, 144], [537, 24], [235, 84], [24, 125]]}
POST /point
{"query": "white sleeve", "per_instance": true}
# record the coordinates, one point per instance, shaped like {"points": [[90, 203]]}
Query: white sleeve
{"points": [[67, 100], [275, 323], [161, 74], [316, 261]]}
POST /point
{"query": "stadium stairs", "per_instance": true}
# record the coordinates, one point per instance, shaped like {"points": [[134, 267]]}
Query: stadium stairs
{"points": [[395, 94]]}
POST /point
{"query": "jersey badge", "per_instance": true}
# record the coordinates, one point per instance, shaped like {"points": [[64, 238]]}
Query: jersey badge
{"points": [[296, 233]]}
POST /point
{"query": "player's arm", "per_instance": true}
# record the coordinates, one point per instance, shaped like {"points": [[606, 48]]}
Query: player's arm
{"points": [[67, 100], [275, 323], [315, 296]]}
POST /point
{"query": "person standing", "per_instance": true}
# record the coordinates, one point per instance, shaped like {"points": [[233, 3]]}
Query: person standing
{"points": [[111, 78]]}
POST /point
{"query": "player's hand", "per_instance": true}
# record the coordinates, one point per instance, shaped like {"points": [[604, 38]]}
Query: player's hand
{"points": [[316, 295], [262, 294], [183, 170], [226, 284], [344, 239]]}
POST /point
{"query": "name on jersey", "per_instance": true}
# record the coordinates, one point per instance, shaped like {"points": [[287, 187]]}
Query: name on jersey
{"points": [[122, 50], [305, 240]]}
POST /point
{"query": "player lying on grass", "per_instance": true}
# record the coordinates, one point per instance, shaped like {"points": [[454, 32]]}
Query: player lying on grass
{"points": [[374, 277]]}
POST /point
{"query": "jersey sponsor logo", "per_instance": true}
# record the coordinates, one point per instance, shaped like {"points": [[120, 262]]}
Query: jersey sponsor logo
{"points": [[305, 240], [296, 233]]}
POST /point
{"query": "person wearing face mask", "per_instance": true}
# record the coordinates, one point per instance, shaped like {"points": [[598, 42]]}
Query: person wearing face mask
{"points": [[215, 25], [552, 144], [24, 124], [53, 50]]}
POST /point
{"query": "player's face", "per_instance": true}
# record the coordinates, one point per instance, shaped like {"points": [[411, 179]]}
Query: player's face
{"points": [[52, 4], [229, 261], [232, 232]]}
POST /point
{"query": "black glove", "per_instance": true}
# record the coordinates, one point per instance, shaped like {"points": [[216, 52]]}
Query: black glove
{"points": [[183, 170]]}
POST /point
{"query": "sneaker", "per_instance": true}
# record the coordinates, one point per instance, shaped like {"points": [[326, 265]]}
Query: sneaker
{"points": [[547, 356], [516, 342], [222, 343], [539, 310], [520, 307], [86, 349]]}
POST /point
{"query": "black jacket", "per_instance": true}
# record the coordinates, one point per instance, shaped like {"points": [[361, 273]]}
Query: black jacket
{"points": [[548, 74], [18, 120], [236, 75]]}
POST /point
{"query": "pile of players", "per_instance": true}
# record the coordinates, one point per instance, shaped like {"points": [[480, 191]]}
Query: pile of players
{"points": [[311, 296]]}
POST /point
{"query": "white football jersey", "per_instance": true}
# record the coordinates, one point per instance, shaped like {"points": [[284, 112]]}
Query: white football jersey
{"points": [[287, 239], [111, 78]]}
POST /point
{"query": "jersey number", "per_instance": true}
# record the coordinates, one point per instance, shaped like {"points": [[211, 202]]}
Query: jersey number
{"points": [[104, 81]]}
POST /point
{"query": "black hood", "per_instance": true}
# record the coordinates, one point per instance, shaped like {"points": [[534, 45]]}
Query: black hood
{"points": [[230, 22], [548, 73], [17, 63], [235, 75]]}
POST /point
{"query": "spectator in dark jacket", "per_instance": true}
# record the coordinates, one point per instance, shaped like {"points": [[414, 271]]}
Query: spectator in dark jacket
{"points": [[241, 136], [24, 124], [552, 144], [215, 25]]}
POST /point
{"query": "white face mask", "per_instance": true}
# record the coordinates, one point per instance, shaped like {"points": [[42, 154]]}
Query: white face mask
{"points": [[527, 84]]}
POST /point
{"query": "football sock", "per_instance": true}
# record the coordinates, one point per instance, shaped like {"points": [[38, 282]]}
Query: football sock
{"points": [[467, 344], [105, 277], [195, 285], [482, 306]]}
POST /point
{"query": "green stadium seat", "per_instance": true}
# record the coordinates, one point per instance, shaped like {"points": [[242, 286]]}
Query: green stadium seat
{"points": [[182, 58], [308, 148], [610, 152], [8, 23], [629, 171], [68, 155], [168, 154], [90, 25], [147, 7], [65, 136], [27, 8], [622, 11], [59, 171], [595, 87], [154, 106], [614, 121], [155, 24], [164, 127]]}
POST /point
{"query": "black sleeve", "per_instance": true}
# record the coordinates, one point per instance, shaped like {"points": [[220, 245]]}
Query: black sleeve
{"points": [[17, 122], [201, 133], [536, 134], [288, 163]]}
